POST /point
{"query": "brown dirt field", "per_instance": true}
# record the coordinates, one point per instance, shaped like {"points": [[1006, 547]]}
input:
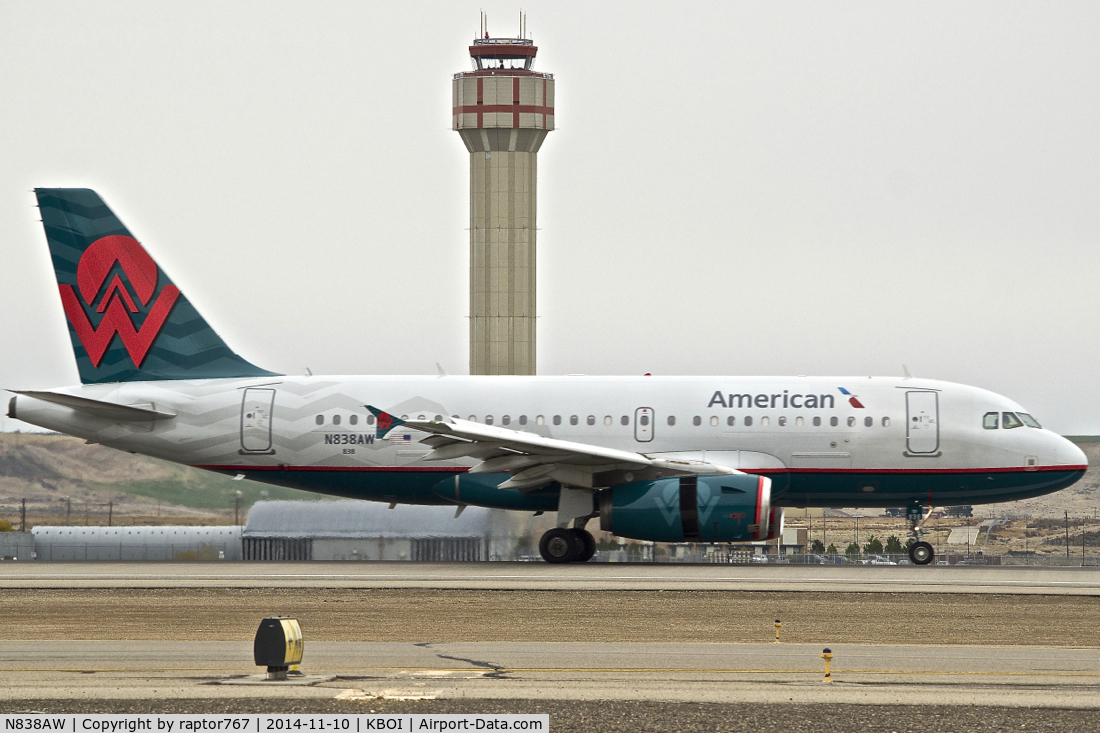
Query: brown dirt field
{"points": [[560, 616]]}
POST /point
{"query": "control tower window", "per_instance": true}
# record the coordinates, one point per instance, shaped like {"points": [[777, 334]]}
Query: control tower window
{"points": [[991, 420], [1009, 421], [1028, 420]]}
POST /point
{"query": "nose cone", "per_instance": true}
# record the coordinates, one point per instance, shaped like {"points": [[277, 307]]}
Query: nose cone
{"points": [[1071, 455]]}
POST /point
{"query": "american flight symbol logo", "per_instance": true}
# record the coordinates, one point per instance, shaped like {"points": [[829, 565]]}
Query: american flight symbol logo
{"points": [[852, 399], [115, 302]]}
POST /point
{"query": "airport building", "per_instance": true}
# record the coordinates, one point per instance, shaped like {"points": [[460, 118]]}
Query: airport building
{"points": [[502, 110], [152, 544], [368, 531]]}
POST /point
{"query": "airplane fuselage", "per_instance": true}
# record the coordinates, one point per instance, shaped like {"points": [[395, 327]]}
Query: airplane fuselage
{"points": [[824, 441]]}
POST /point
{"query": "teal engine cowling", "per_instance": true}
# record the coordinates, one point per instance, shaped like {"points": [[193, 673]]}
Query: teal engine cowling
{"points": [[727, 508]]}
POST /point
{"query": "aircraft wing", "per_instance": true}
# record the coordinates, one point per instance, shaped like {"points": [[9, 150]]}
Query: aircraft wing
{"points": [[535, 461]]}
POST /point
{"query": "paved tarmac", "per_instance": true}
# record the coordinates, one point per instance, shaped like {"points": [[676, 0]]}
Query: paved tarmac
{"points": [[541, 576], [705, 673]]}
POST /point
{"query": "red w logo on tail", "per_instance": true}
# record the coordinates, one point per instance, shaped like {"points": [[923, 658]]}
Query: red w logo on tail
{"points": [[116, 305]]}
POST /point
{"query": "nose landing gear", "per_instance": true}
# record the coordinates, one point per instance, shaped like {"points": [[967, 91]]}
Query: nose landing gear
{"points": [[920, 552]]}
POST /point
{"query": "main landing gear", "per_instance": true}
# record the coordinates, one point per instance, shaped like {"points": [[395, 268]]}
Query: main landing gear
{"points": [[920, 552], [567, 545]]}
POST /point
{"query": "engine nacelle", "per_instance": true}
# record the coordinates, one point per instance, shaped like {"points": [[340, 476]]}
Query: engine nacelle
{"points": [[727, 508]]}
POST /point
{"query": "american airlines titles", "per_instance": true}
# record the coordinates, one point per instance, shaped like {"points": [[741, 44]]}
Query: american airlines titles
{"points": [[784, 400]]}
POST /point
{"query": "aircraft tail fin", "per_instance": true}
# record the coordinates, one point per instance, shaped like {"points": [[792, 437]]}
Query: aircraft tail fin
{"points": [[127, 320]]}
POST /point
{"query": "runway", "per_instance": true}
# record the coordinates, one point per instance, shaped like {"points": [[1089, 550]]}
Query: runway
{"points": [[540, 576], [605, 642], [761, 673]]}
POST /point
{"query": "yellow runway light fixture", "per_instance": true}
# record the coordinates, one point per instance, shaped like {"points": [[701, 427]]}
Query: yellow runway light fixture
{"points": [[827, 655]]}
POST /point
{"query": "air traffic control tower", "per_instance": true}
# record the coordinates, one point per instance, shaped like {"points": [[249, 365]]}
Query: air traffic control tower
{"points": [[503, 110]]}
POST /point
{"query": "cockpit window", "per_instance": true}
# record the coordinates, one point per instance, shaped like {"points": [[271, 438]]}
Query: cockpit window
{"points": [[1011, 421], [1028, 420], [991, 421]]}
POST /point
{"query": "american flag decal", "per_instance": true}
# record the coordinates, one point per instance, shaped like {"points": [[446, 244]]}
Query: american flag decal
{"points": [[400, 439]]}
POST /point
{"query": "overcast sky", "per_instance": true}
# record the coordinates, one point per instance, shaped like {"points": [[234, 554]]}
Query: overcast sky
{"points": [[734, 188]]}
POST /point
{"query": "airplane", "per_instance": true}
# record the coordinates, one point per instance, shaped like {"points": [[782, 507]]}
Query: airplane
{"points": [[663, 459]]}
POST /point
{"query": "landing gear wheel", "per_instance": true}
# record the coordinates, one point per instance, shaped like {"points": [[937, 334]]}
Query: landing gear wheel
{"points": [[589, 543], [921, 553], [560, 546]]}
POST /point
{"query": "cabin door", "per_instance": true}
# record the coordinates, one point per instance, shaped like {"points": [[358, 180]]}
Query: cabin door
{"points": [[256, 407], [923, 422]]}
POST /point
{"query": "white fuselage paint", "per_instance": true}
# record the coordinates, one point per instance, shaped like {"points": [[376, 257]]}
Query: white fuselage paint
{"points": [[219, 425]]}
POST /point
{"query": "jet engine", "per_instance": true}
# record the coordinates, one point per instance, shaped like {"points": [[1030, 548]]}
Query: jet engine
{"points": [[727, 508]]}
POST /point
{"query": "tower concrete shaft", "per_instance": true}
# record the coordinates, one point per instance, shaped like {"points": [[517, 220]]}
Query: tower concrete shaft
{"points": [[502, 110]]}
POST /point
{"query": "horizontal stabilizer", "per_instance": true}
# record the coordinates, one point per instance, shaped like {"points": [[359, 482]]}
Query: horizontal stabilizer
{"points": [[100, 408]]}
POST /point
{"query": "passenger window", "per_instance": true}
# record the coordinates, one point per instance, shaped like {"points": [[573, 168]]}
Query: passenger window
{"points": [[644, 420], [714, 421], [731, 421], [885, 422], [354, 419], [765, 421], [607, 420], [505, 420], [748, 421], [696, 421], [573, 420], [370, 419], [488, 419], [438, 418], [833, 422], [799, 421], [817, 422], [625, 420], [1028, 420], [851, 422], [782, 421], [320, 419], [557, 419], [868, 422], [335, 419], [522, 419], [473, 418], [540, 420], [1009, 421], [591, 419], [671, 419]]}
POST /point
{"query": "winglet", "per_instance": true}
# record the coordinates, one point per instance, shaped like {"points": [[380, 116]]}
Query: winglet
{"points": [[386, 421], [906, 372]]}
